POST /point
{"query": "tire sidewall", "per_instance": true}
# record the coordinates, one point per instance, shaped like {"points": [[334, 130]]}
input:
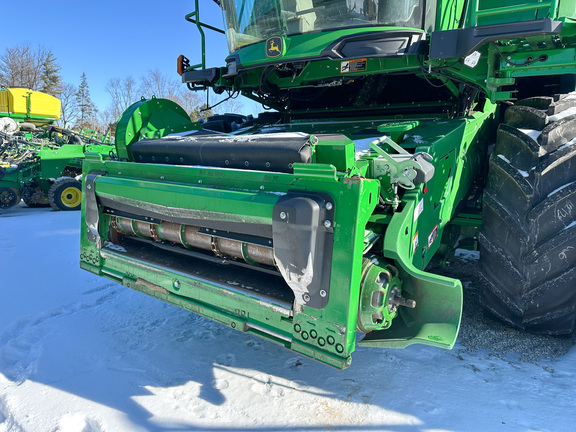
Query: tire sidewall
{"points": [[59, 191]]}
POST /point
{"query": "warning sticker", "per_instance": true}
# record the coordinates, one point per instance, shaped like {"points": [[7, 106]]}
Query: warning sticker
{"points": [[433, 236], [419, 209], [415, 243], [357, 65]]}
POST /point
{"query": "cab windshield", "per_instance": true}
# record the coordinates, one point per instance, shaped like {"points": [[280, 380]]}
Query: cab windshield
{"points": [[252, 21]]}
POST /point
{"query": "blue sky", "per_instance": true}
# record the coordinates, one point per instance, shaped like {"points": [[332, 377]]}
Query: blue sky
{"points": [[107, 39]]}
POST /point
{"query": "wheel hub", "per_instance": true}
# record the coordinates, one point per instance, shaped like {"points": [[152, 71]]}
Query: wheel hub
{"points": [[71, 197], [380, 296]]}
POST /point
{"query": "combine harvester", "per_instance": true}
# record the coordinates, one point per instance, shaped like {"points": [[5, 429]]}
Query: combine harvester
{"points": [[307, 225], [39, 162]]}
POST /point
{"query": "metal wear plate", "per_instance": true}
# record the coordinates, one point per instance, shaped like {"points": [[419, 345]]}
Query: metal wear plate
{"points": [[302, 231], [91, 215]]}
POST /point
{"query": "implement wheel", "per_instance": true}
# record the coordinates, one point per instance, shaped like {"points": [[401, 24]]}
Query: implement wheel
{"points": [[65, 194], [9, 197], [33, 196], [528, 236]]}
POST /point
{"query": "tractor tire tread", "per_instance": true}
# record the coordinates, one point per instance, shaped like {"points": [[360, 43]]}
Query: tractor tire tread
{"points": [[528, 236], [54, 193]]}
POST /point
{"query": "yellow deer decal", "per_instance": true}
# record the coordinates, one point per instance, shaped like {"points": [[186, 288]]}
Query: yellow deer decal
{"points": [[273, 47]]}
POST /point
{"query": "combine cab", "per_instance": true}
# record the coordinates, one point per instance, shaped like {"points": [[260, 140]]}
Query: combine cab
{"points": [[309, 224]]}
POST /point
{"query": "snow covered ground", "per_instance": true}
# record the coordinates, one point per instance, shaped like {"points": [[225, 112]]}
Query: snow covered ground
{"points": [[79, 353]]}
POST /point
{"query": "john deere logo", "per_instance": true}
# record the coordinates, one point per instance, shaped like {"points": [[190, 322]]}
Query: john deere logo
{"points": [[274, 46]]}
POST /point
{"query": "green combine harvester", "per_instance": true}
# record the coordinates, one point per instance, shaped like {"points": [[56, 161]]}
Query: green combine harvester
{"points": [[401, 130]]}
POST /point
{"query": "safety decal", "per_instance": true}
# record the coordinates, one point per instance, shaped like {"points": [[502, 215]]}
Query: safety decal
{"points": [[433, 236], [357, 65], [415, 243], [419, 209]]}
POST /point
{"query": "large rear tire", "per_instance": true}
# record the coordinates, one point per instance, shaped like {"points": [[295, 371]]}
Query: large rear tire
{"points": [[528, 235], [65, 194]]}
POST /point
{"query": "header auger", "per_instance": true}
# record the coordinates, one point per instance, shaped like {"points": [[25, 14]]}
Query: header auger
{"points": [[316, 221]]}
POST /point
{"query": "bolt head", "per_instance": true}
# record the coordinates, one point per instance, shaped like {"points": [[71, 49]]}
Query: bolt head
{"points": [[322, 293], [327, 223], [329, 206], [283, 215]]}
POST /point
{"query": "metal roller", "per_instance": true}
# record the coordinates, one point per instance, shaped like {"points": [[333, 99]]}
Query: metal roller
{"points": [[191, 237]]}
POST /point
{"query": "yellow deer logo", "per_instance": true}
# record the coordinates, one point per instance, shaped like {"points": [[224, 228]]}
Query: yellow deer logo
{"points": [[274, 46]]}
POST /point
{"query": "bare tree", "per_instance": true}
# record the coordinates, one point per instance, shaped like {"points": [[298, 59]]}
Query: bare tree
{"points": [[34, 69], [19, 67], [107, 121], [231, 105], [69, 108], [155, 83], [123, 94], [189, 101], [254, 107]]}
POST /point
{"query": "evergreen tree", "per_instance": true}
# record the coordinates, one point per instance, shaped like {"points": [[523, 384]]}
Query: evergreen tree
{"points": [[50, 77], [86, 107], [200, 112]]}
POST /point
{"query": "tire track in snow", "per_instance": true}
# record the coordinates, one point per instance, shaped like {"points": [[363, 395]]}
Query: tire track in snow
{"points": [[21, 343]]}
